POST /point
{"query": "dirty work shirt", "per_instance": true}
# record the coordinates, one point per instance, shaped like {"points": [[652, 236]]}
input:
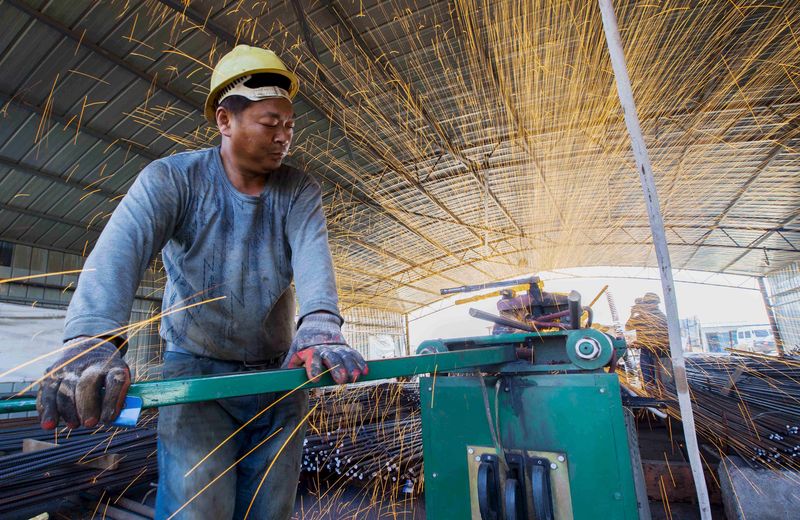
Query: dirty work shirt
{"points": [[650, 325], [217, 242]]}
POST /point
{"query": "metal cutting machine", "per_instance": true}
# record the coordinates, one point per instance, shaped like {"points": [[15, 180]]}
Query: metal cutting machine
{"points": [[522, 425]]}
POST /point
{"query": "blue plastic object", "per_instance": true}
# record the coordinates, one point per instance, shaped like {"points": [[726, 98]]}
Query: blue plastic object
{"points": [[130, 413]]}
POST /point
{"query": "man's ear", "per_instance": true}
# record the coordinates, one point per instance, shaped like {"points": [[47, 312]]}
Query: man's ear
{"points": [[224, 121]]}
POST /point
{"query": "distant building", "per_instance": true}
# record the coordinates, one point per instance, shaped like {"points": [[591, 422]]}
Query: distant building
{"points": [[691, 334], [752, 337]]}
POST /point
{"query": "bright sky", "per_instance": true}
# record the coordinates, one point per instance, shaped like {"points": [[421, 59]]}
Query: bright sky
{"points": [[738, 302]]}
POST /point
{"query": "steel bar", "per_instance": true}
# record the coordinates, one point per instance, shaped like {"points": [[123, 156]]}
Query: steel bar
{"points": [[369, 435], [501, 320], [574, 301], [37, 478], [490, 285], [749, 405], [191, 390], [651, 199]]}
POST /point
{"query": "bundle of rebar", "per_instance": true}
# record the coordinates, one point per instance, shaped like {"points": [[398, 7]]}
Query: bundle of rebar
{"points": [[13, 435], [748, 404], [28, 479], [370, 435]]}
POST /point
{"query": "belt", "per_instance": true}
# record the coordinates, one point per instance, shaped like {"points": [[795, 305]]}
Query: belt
{"points": [[266, 364], [275, 362]]}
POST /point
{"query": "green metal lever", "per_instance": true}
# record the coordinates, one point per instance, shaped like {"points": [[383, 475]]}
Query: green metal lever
{"points": [[194, 389]]}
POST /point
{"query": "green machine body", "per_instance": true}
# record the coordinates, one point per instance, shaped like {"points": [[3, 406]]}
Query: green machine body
{"points": [[541, 438]]}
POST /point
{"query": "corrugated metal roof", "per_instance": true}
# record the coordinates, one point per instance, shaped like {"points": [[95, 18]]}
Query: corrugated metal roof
{"points": [[456, 142]]}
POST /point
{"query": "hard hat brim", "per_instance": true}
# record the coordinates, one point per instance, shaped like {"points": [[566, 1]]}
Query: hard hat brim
{"points": [[210, 109]]}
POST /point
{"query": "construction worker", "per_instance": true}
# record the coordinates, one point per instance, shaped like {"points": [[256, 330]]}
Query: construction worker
{"points": [[235, 226], [652, 340]]}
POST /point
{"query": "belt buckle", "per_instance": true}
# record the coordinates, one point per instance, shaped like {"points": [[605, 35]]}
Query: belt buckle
{"points": [[269, 363]]}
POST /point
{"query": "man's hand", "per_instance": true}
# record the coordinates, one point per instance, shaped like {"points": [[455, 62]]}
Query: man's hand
{"points": [[72, 385], [319, 342]]}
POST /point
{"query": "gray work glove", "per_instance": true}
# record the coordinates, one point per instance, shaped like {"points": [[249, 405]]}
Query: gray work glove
{"points": [[73, 390], [319, 342]]}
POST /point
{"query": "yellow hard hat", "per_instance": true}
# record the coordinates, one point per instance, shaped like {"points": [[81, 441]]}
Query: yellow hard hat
{"points": [[244, 60]]}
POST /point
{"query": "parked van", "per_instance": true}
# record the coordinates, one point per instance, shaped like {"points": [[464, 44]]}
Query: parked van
{"points": [[755, 339]]}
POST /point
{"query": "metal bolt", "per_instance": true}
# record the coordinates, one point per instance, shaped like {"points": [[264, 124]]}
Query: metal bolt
{"points": [[430, 388], [435, 474], [553, 465], [477, 459], [617, 495], [507, 389], [561, 458], [470, 451], [588, 348], [602, 390]]}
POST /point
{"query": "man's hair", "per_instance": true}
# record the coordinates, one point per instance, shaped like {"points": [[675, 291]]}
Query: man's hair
{"points": [[238, 104]]}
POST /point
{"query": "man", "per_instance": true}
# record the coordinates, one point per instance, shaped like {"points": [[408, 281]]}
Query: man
{"points": [[652, 339], [235, 226]]}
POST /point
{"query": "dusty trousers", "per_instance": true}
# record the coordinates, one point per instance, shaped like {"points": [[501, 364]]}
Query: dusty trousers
{"points": [[188, 433]]}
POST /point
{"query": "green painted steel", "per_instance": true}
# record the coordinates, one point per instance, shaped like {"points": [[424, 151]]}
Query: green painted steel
{"points": [[189, 390], [577, 414], [554, 350], [445, 345], [17, 405]]}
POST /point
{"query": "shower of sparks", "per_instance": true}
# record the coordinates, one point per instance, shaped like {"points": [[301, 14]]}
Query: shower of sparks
{"points": [[225, 471], [275, 458], [106, 336], [253, 418], [45, 275], [463, 142]]}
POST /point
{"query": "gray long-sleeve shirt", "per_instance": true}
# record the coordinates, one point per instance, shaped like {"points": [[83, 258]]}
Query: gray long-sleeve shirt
{"points": [[216, 242]]}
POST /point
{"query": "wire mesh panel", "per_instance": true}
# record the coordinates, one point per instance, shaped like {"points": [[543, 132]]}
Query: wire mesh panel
{"points": [[375, 333], [784, 295]]}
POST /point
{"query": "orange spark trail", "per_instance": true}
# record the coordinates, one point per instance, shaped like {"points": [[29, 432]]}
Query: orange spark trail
{"points": [[277, 456]]}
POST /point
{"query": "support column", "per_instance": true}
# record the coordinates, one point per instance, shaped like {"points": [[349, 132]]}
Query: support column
{"points": [[771, 316], [645, 170], [408, 337]]}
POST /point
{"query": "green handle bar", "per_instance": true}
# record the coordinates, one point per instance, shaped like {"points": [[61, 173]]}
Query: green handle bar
{"points": [[194, 389]]}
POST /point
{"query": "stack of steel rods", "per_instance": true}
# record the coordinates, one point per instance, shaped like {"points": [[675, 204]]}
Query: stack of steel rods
{"points": [[369, 434], [749, 405], [11, 438], [29, 479]]}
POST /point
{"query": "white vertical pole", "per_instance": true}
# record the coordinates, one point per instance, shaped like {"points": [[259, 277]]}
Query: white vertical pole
{"points": [[660, 242]]}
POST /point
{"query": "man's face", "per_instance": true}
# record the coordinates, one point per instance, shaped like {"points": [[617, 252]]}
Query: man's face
{"points": [[261, 134]]}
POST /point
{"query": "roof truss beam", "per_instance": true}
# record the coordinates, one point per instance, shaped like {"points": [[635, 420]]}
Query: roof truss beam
{"points": [[223, 34], [56, 178], [444, 140], [116, 60], [118, 141]]}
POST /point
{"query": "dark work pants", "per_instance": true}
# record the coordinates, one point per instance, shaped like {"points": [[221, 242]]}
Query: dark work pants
{"points": [[656, 371], [187, 433], [647, 362]]}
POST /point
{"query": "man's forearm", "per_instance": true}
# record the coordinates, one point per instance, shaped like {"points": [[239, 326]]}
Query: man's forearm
{"points": [[135, 233]]}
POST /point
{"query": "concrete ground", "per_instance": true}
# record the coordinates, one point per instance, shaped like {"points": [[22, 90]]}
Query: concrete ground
{"points": [[766, 494]]}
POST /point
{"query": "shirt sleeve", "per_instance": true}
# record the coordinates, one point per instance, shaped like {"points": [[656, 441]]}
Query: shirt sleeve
{"points": [[634, 321], [312, 264], [141, 225]]}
